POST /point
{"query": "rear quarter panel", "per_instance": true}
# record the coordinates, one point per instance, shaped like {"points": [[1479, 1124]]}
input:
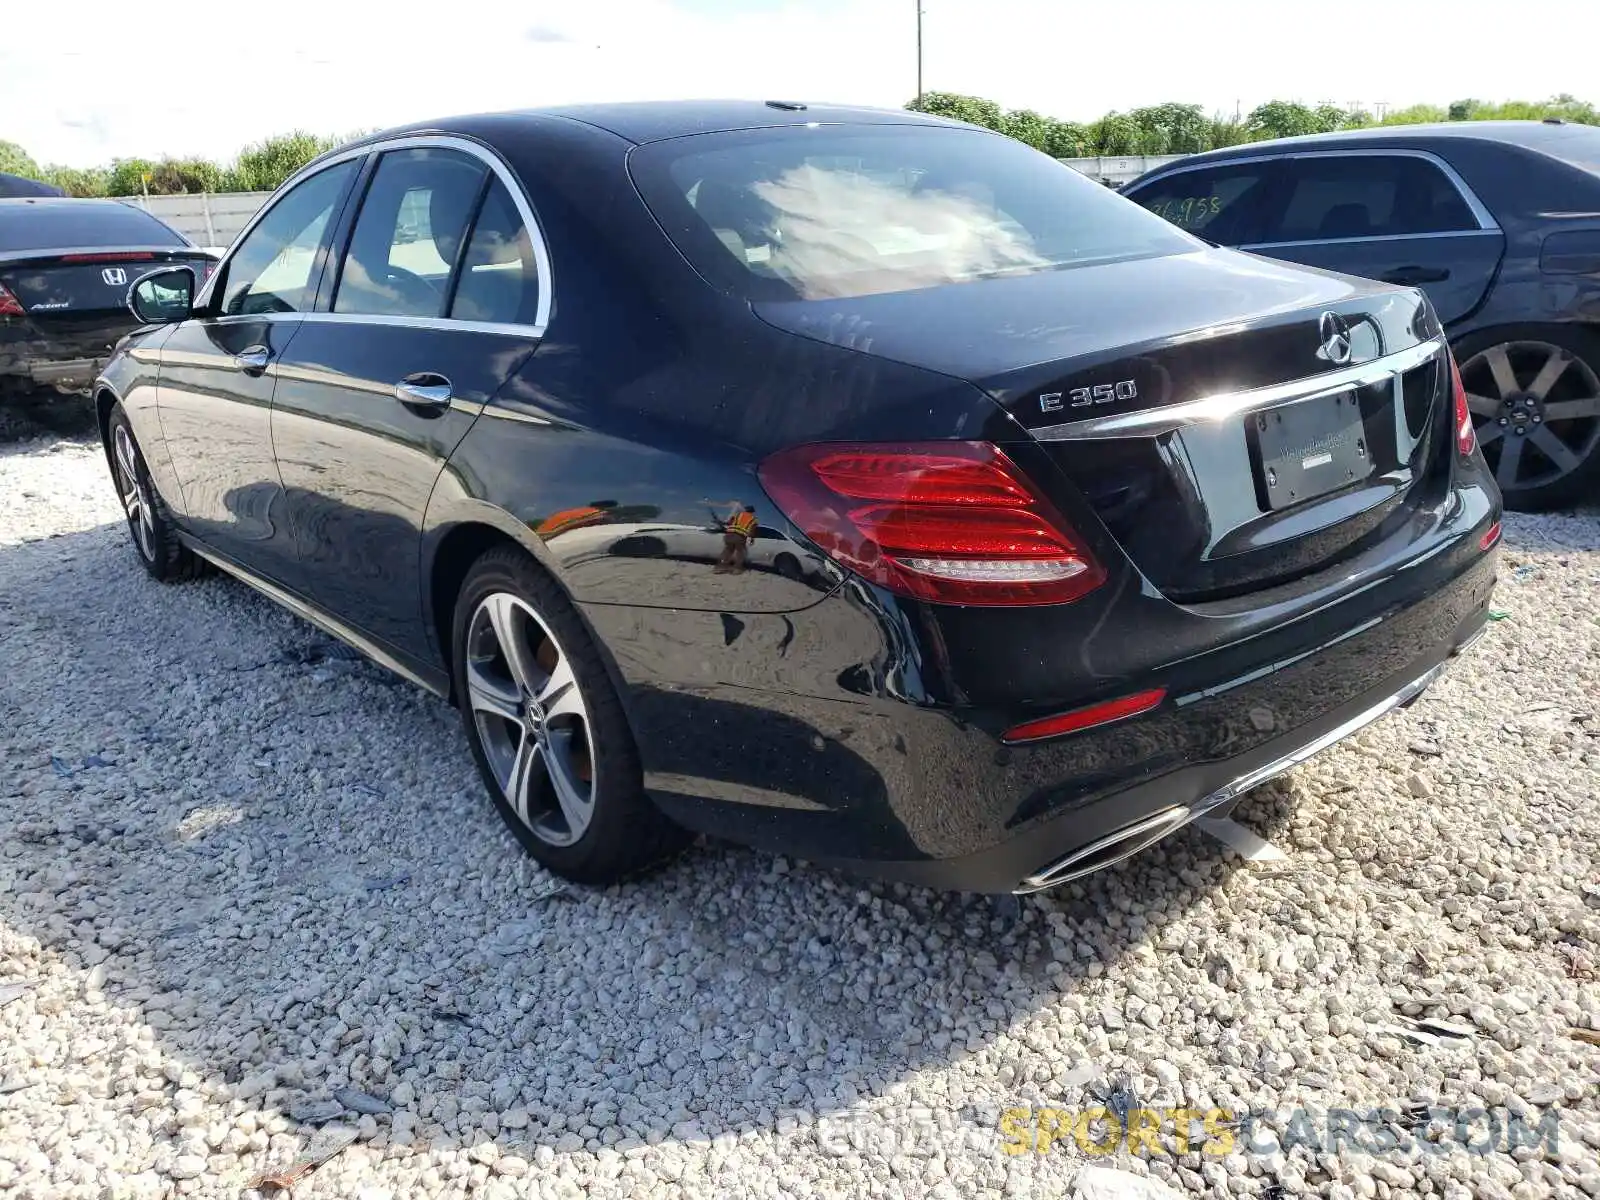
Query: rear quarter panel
{"points": [[1535, 198]]}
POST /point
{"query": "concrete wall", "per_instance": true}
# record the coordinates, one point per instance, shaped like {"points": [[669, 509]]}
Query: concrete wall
{"points": [[205, 219], [216, 219], [1119, 171]]}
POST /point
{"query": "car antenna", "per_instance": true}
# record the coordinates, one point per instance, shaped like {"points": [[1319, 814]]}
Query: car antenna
{"points": [[787, 105]]}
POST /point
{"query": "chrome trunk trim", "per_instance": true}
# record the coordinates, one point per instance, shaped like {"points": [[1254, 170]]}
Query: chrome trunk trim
{"points": [[1153, 422]]}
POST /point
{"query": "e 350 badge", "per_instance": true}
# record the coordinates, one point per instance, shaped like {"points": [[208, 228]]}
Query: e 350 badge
{"points": [[1100, 393]]}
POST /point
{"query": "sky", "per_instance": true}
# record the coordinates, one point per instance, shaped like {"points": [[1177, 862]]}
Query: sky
{"points": [[84, 81]]}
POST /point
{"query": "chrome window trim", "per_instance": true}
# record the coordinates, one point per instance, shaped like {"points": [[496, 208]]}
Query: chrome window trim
{"points": [[1153, 422], [1485, 219], [437, 141], [1376, 239]]}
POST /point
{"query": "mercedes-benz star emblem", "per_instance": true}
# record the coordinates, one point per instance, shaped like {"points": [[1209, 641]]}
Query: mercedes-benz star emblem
{"points": [[1335, 335]]}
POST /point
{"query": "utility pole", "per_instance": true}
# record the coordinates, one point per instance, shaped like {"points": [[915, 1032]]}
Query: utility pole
{"points": [[919, 52]]}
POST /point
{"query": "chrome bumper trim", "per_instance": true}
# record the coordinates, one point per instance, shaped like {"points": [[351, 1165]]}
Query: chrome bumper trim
{"points": [[1146, 832]]}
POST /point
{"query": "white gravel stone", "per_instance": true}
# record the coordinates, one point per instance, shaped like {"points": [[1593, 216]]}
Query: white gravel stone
{"points": [[240, 877]]}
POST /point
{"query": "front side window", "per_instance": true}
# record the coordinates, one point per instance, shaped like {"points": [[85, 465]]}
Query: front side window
{"points": [[271, 270], [1218, 203], [499, 280], [832, 211], [408, 235], [1351, 196]]}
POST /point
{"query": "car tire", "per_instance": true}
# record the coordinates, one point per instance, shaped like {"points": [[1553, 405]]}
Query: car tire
{"points": [[1517, 378], [547, 728], [150, 525]]}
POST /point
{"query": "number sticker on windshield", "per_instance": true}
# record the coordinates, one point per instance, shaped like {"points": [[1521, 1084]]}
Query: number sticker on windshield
{"points": [[1188, 212]]}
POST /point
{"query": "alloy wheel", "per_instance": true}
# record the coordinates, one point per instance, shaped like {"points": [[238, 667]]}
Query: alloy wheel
{"points": [[1537, 411], [531, 718], [135, 496]]}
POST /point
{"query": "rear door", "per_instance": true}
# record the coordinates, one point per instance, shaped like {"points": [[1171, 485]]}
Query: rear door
{"points": [[438, 298], [219, 369], [1399, 216]]}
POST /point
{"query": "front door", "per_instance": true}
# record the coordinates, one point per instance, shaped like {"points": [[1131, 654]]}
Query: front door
{"points": [[219, 370], [431, 310], [1395, 217]]}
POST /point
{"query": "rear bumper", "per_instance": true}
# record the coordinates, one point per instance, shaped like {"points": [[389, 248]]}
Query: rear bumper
{"points": [[809, 733], [75, 373]]}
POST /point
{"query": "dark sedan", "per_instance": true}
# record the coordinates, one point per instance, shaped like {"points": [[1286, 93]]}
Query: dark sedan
{"points": [[65, 267], [1498, 222], [1037, 527]]}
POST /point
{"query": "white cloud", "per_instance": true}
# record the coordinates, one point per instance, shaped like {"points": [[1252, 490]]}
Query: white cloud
{"points": [[82, 81]]}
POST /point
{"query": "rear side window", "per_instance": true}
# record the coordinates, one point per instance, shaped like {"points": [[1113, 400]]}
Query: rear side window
{"points": [[271, 269], [409, 234], [1350, 196], [1219, 203], [834, 211], [79, 224], [499, 279]]}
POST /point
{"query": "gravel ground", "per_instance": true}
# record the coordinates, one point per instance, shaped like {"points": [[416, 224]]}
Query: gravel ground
{"points": [[250, 887]]}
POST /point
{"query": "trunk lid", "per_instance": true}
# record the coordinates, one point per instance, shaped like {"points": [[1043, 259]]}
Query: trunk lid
{"points": [[1300, 456], [65, 286]]}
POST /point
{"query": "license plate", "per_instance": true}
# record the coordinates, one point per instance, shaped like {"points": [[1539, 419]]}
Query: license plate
{"points": [[1311, 449]]}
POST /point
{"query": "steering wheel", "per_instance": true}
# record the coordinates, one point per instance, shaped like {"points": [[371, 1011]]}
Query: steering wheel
{"points": [[416, 283]]}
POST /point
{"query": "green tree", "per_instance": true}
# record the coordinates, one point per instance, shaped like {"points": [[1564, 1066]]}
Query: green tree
{"points": [[1282, 118], [263, 166], [14, 160], [1173, 129], [1027, 126], [127, 176], [1115, 134], [1066, 140], [75, 181], [973, 109]]}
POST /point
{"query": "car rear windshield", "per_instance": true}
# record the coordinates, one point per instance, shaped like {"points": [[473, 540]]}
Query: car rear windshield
{"points": [[829, 211], [71, 225]]}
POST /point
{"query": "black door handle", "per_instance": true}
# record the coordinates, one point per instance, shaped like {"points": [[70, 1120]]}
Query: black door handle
{"points": [[1415, 275]]}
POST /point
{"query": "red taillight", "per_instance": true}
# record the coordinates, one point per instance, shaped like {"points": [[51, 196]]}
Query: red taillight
{"points": [[948, 522], [109, 256], [1466, 436], [1490, 537], [9, 305], [1085, 718]]}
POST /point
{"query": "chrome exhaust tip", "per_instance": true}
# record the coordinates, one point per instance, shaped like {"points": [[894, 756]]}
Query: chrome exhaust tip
{"points": [[1109, 850]]}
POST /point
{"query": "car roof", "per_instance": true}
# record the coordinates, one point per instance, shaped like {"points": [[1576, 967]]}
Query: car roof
{"points": [[1542, 136], [654, 120]]}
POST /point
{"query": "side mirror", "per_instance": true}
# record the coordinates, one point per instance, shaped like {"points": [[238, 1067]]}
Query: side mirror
{"points": [[163, 297]]}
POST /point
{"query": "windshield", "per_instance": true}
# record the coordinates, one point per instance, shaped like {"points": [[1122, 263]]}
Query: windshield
{"points": [[829, 211], [78, 224]]}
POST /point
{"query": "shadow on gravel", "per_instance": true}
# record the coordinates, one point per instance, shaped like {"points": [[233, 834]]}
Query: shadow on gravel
{"points": [[283, 861]]}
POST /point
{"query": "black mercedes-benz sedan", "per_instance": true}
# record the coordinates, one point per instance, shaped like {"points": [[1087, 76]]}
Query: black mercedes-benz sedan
{"points": [[1497, 221], [65, 267], [854, 484]]}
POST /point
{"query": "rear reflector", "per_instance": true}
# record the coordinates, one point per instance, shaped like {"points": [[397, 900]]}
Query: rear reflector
{"points": [[9, 305], [109, 256], [1085, 718], [1466, 436], [1490, 537], [947, 522]]}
